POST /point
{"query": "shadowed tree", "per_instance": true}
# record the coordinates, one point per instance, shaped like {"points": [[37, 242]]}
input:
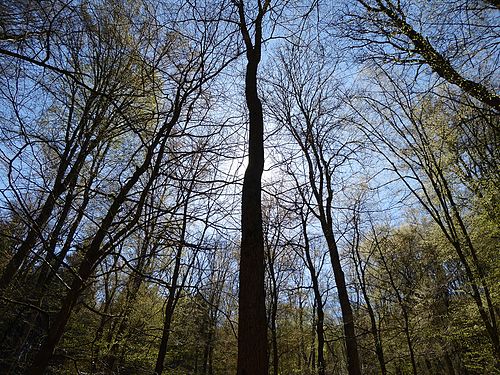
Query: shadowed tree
{"points": [[253, 356], [304, 102]]}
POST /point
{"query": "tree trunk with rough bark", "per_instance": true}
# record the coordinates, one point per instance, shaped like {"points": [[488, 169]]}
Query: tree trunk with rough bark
{"points": [[253, 356]]}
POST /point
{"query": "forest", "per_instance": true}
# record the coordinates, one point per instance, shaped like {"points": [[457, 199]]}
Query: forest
{"points": [[250, 187]]}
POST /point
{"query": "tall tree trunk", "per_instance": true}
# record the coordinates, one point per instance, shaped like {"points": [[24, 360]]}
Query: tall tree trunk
{"points": [[301, 356], [273, 317], [321, 182], [42, 358], [361, 275], [409, 342], [253, 356], [162, 352], [67, 174], [320, 330], [404, 311], [353, 365], [252, 327], [174, 291]]}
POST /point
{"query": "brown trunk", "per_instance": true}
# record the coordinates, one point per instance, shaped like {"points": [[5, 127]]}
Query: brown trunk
{"points": [[208, 350], [270, 247], [252, 327], [353, 365], [275, 346], [404, 312], [60, 185], [439, 63], [321, 181], [409, 342], [116, 348], [253, 356], [379, 350], [174, 291], [320, 330], [27, 245], [273, 317], [361, 275], [41, 361], [321, 339], [162, 352], [302, 356]]}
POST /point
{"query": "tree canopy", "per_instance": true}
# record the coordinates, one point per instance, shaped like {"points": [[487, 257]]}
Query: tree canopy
{"points": [[250, 187]]}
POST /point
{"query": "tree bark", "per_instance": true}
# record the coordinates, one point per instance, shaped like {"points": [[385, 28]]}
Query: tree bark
{"points": [[361, 275], [353, 365], [436, 61], [273, 317], [253, 356], [320, 330], [162, 352]]}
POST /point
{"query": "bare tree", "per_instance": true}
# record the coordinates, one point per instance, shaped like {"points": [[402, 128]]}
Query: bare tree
{"points": [[253, 356], [361, 274], [304, 102], [319, 300]]}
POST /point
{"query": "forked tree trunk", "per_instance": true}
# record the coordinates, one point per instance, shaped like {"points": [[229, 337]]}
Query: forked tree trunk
{"points": [[253, 356]]}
